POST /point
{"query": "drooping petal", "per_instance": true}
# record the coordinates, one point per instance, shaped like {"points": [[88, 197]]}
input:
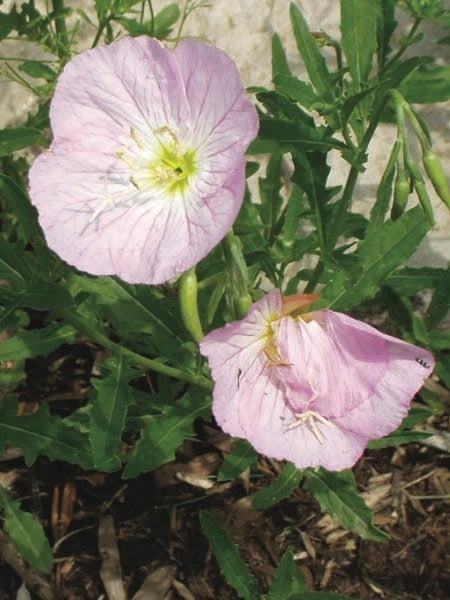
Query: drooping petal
{"points": [[360, 350], [140, 180]]}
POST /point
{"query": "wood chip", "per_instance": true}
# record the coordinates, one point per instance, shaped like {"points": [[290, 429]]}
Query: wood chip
{"points": [[156, 585], [110, 570]]}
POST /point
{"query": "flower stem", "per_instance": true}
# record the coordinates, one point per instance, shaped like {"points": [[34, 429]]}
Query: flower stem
{"points": [[119, 350], [62, 39]]}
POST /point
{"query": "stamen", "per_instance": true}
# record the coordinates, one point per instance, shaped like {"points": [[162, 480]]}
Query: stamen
{"points": [[309, 417]]}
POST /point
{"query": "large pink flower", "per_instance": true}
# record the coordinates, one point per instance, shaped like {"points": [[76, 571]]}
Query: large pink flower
{"points": [[310, 387], [145, 174]]}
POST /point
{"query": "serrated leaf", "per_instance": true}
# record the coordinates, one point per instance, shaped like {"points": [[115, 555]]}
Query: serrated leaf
{"points": [[282, 488], [384, 249], [338, 496], [43, 434], [289, 582], [17, 138], [45, 296], [296, 89], [427, 85], [26, 533], [359, 26], [37, 342], [242, 457], [313, 59], [165, 433], [230, 563], [109, 409]]}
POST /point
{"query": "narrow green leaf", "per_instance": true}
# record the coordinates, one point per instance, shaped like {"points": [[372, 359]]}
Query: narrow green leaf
{"points": [[398, 438], [289, 582], [359, 37], [242, 457], [43, 434], [37, 342], [296, 89], [11, 267], [337, 495], [38, 69], [17, 138], [45, 296], [410, 280], [165, 433], [279, 60], [282, 488], [230, 563], [163, 21], [110, 401], [26, 533], [314, 61]]}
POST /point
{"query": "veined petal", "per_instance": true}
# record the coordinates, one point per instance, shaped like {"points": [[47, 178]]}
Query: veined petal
{"points": [[361, 349], [130, 186], [240, 367]]}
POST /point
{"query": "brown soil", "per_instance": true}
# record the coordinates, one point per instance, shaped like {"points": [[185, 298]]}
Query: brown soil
{"points": [[156, 515]]}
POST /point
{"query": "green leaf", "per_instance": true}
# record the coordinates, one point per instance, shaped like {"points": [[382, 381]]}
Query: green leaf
{"points": [[45, 296], [359, 41], [43, 434], [163, 21], [164, 434], [110, 401], [230, 563], [24, 211], [282, 488], [337, 495], [17, 138], [11, 267], [410, 280], [38, 69], [440, 303], [427, 85], [313, 59], [296, 89], [384, 249], [26, 533], [289, 582], [37, 342], [398, 438], [242, 457], [279, 60]]}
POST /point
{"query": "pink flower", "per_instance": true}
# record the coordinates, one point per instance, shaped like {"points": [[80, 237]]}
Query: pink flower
{"points": [[146, 172], [310, 387]]}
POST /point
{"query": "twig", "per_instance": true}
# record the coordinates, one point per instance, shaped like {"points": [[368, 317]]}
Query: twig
{"points": [[111, 570]]}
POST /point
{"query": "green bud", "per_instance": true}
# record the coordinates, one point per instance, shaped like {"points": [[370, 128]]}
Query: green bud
{"points": [[437, 177], [189, 306], [402, 189], [424, 199]]}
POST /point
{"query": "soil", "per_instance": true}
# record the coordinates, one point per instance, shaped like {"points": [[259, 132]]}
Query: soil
{"points": [[155, 516]]}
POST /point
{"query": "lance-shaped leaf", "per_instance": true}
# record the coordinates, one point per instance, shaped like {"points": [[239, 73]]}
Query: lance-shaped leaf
{"points": [[230, 563], [110, 401], [43, 434], [165, 433], [314, 61], [359, 36], [282, 488], [26, 534], [337, 495], [241, 458], [289, 581], [17, 138]]}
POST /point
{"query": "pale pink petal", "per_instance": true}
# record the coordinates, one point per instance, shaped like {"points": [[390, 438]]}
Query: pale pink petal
{"points": [[361, 348], [239, 367]]}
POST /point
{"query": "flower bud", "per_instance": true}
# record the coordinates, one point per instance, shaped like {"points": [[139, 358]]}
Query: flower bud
{"points": [[437, 177]]}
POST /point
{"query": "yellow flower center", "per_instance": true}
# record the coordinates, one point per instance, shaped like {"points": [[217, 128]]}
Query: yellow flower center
{"points": [[174, 166]]}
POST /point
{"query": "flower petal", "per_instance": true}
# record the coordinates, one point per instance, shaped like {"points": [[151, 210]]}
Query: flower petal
{"points": [[239, 367]]}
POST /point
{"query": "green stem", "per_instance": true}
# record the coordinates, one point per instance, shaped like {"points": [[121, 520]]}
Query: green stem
{"points": [[188, 298], [62, 39], [406, 45], [119, 350], [238, 296]]}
